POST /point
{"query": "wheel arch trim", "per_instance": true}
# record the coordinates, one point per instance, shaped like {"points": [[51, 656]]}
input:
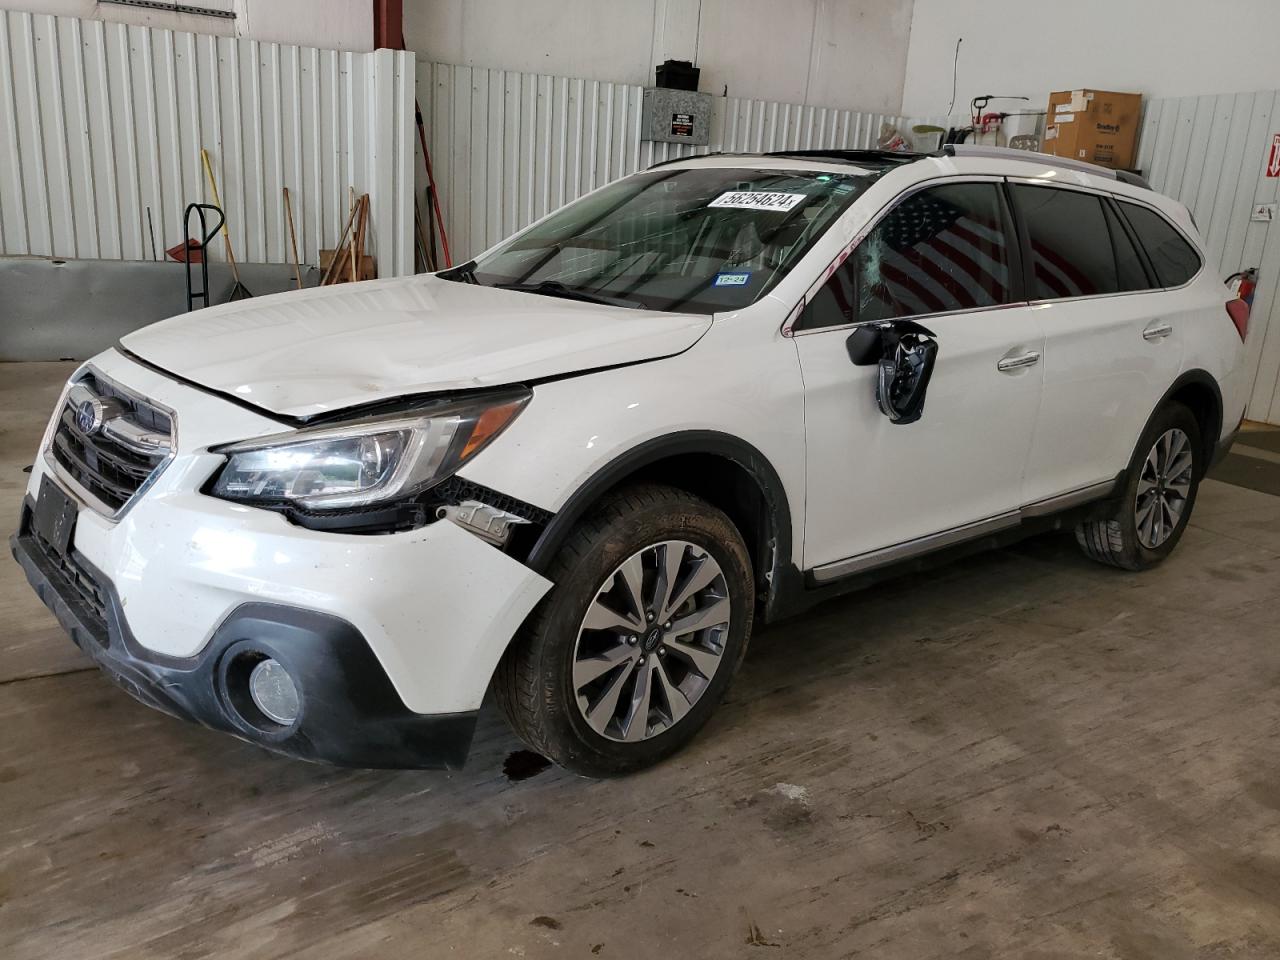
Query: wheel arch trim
{"points": [[778, 522], [1200, 378]]}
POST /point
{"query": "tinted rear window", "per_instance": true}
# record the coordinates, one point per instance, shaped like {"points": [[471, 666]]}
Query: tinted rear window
{"points": [[1131, 274], [1175, 260], [1071, 253]]}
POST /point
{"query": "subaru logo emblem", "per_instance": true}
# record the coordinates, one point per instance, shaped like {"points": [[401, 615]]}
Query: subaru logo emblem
{"points": [[89, 417]]}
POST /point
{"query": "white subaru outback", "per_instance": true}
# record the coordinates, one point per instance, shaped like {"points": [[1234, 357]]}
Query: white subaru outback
{"points": [[577, 469]]}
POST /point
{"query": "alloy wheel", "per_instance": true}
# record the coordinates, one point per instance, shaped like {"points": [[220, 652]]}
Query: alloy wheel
{"points": [[1163, 487], [651, 641]]}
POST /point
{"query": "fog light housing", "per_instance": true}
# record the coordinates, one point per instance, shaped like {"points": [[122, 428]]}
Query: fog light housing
{"points": [[273, 691]]}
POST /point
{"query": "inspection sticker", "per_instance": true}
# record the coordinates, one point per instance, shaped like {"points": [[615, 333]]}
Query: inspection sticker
{"points": [[732, 279], [748, 200]]}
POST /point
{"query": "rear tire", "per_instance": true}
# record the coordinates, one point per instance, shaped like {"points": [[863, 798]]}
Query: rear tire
{"points": [[626, 658], [1159, 494]]}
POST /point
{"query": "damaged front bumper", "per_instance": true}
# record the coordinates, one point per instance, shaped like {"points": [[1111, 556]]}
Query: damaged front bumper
{"points": [[390, 638], [349, 713]]}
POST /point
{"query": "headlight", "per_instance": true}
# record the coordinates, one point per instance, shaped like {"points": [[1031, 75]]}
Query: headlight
{"points": [[364, 462]]}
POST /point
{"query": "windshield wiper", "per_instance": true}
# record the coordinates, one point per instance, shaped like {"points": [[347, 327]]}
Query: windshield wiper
{"points": [[463, 273], [554, 288]]}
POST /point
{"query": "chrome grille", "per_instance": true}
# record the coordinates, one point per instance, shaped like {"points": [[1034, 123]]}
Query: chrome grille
{"points": [[108, 441]]}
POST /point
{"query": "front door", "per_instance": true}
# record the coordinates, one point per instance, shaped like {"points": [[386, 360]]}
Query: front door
{"points": [[945, 257]]}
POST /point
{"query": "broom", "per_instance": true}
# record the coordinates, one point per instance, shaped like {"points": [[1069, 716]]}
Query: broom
{"points": [[238, 290]]}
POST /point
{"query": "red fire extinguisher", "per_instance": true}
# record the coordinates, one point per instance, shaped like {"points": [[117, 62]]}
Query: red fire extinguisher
{"points": [[1240, 308], [1248, 283]]}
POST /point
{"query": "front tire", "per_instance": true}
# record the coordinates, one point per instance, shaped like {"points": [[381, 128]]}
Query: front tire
{"points": [[628, 656], [1159, 494]]}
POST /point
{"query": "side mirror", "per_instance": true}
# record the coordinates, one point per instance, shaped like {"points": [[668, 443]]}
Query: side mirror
{"points": [[905, 354], [866, 345]]}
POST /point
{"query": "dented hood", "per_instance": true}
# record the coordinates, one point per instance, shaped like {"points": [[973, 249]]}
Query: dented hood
{"points": [[311, 351]]}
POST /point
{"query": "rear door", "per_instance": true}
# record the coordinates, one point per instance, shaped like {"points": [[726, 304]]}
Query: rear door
{"points": [[1110, 350], [945, 256]]}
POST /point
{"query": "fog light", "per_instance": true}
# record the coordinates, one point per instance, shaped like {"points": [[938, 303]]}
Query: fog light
{"points": [[273, 691]]}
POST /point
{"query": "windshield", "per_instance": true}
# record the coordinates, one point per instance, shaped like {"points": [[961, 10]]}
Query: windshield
{"points": [[691, 241]]}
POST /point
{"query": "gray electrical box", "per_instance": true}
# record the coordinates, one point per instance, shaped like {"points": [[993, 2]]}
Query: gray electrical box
{"points": [[676, 116]]}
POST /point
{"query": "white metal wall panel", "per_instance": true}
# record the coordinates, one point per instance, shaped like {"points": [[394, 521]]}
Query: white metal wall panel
{"points": [[1210, 153], [101, 121], [508, 147]]}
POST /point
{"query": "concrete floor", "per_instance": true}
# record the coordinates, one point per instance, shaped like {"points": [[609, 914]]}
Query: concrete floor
{"points": [[1025, 756]]}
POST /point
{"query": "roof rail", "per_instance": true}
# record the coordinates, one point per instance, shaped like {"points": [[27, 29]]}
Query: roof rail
{"points": [[883, 159], [1045, 159], [1133, 179], [692, 156]]}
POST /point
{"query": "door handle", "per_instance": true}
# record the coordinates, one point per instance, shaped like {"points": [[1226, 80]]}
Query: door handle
{"points": [[1005, 364], [1157, 331]]}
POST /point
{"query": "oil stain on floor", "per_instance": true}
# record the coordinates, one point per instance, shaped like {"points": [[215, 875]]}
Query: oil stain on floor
{"points": [[523, 764]]}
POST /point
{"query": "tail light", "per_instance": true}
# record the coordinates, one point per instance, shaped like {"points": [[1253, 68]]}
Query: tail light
{"points": [[1238, 311]]}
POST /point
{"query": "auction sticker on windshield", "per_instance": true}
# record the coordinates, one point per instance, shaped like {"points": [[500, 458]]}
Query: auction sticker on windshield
{"points": [[746, 200]]}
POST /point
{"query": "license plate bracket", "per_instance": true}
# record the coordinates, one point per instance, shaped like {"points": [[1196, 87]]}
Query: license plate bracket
{"points": [[55, 516]]}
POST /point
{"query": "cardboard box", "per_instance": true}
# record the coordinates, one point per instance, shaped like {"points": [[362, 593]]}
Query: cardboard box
{"points": [[1096, 126]]}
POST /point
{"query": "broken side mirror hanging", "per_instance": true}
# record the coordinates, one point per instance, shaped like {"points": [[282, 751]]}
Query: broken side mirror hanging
{"points": [[904, 354]]}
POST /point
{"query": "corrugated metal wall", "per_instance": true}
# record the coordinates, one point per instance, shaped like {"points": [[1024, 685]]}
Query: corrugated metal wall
{"points": [[101, 121], [509, 147], [1210, 153]]}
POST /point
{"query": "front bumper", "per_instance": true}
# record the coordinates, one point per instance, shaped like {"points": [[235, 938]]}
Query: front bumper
{"points": [[183, 577], [349, 712]]}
